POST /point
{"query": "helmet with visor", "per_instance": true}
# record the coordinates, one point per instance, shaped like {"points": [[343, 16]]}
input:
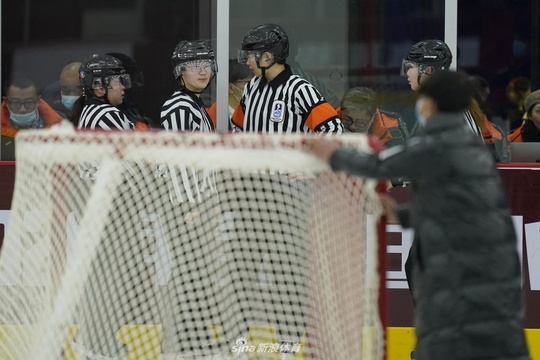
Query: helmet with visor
{"points": [[98, 70]]}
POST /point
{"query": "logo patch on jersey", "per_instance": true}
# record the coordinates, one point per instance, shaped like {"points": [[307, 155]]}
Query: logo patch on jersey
{"points": [[278, 111]]}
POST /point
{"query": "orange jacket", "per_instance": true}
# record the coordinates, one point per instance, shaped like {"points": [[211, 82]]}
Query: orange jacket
{"points": [[47, 113], [387, 127], [212, 112], [516, 135], [490, 132], [496, 140]]}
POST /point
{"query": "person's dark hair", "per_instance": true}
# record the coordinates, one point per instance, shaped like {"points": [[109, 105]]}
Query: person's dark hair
{"points": [[76, 111], [451, 90], [480, 83], [238, 71], [21, 82]]}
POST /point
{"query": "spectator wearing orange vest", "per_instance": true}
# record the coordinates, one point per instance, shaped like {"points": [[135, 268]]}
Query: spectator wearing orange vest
{"points": [[23, 108], [529, 130], [359, 113]]}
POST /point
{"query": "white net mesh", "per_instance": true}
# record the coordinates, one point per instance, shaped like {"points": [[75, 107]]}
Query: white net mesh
{"points": [[187, 246]]}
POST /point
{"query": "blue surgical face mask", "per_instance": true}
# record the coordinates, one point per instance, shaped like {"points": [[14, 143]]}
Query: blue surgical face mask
{"points": [[23, 121], [69, 100], [419, 117]]}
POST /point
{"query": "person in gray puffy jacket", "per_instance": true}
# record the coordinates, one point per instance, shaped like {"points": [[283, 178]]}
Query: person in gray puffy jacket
{"points": [[466, 276]]}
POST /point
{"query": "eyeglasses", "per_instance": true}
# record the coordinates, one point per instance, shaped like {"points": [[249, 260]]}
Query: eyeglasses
{"points": [[15, 104], [360, 125], [197, 66]]}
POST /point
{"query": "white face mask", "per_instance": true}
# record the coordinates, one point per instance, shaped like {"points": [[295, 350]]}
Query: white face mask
{"points": [[69, 100], [419, 117], [23, 121]]}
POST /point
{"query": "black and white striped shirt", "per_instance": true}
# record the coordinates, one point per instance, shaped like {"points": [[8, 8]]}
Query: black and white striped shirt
{"points": [[469, 120], [185, 111], [99, 115], [287, 104]]}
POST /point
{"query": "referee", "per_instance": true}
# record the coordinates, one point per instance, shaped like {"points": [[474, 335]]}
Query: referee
{"points": [[276, 100], [104, 80], [194, 66]]}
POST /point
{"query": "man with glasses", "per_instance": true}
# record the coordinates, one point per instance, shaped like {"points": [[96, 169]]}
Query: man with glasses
{"points": [[23, 108], [360, 113]]}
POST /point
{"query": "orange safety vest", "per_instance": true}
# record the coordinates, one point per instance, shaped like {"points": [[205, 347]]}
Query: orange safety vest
{"points": [[516, 135], [389, 128], [494, 137]]}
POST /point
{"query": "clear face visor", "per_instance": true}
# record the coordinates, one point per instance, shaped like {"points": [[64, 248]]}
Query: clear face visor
{"points": [[244, 55], [196, 67], [406, 65], [124, 79]]}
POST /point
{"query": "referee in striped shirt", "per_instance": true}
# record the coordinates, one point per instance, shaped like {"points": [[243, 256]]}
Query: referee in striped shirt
{"points": [[104, 79], [194, 66], [276, 100], [423, 59]]}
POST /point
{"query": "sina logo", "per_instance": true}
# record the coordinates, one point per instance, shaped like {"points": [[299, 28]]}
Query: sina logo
{"points": [[241, 346]]}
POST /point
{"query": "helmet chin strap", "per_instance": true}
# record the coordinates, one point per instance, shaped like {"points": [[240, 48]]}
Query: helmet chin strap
{"points": [[429, 71], [264, 68]]}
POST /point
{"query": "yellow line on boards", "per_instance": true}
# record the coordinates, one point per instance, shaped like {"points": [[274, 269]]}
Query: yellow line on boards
{"points": [[400, 341]]}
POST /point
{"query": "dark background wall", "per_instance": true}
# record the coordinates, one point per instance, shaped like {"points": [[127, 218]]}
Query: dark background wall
{"points": [[497, 39]]}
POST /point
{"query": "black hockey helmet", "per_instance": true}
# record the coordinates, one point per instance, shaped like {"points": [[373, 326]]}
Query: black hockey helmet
{"points": [[188, 51], [135, 73], [97, 70], [267, 37], [428, 53]]}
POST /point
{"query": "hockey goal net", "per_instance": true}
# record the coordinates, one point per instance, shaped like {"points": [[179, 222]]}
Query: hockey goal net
{"points": [[187, 246]]}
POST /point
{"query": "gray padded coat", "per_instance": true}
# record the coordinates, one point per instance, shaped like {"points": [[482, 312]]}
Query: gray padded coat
{"points": [[466, 274]]}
